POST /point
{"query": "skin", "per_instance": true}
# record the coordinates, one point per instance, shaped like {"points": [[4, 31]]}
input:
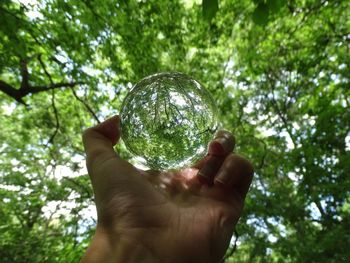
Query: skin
{"points": [[183, 216]]}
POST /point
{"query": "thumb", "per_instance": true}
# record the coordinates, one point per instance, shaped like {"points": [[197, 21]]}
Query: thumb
{"points": [[99, 140]]}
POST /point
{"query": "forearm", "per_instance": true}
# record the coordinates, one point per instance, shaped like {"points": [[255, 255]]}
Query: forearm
{"points": [[104, 249]]}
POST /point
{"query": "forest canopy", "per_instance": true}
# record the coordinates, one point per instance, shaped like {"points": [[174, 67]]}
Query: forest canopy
{"points": [[278, 70]]}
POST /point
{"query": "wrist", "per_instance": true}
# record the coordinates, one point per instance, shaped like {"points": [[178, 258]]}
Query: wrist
{"points": [[111, 249]]}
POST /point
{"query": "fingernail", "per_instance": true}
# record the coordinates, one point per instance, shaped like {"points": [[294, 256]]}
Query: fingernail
{"points": [[203, 179], [207, 171], [225, 144], [219, 183], [222, 177], [222, 145], [210, 168], [219, 146]]}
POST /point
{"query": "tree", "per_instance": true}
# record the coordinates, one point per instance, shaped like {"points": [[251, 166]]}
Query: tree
{"points": [[279, 71]]}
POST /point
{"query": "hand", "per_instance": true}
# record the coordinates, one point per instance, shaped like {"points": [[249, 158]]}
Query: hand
{"points": [[148, 216]]}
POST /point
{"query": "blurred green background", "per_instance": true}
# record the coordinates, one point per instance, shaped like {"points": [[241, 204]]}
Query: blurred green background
{"points": [[279, 71]]}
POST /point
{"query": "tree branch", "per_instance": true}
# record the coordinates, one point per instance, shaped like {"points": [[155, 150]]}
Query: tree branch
{"points": [[44, 68], [24, 74], [79, 185], [37, 89], [232, 249], [11, 91], [26, 88], [52, 101], [19, 94], [86, 106], [55, 111], [280, 114], [320, 209]]}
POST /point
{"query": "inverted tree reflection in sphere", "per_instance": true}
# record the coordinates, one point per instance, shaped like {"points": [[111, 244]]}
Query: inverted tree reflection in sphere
{"points": [[168, 119]]}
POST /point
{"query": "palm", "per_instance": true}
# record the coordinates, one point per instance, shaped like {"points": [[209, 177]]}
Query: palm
{"points": [[173, 203]]}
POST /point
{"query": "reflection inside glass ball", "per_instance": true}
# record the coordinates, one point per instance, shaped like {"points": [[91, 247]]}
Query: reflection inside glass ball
{"points": [[168, 119]]}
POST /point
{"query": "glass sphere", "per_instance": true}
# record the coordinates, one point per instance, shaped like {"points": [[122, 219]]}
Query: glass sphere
{"points": [[168, 119]]}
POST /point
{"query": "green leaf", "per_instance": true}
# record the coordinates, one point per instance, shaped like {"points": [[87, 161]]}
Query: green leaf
{"points": [[210, 7], [275, 5], [261, 14]]}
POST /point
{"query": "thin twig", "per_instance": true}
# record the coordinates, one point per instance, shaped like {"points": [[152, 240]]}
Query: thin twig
{"points": [[79, 185], [232, 249], [57, 126], [56, 117], [86, 105]]}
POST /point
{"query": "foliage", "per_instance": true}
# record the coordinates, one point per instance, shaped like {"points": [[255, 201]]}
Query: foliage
{"points": [[279, 71]]}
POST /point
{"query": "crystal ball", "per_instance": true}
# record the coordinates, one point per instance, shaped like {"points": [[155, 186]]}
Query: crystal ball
{"points": [[167, 120]]}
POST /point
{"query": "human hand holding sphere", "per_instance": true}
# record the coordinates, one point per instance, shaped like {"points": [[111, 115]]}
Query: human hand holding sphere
{"points": [[163, 216]]}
